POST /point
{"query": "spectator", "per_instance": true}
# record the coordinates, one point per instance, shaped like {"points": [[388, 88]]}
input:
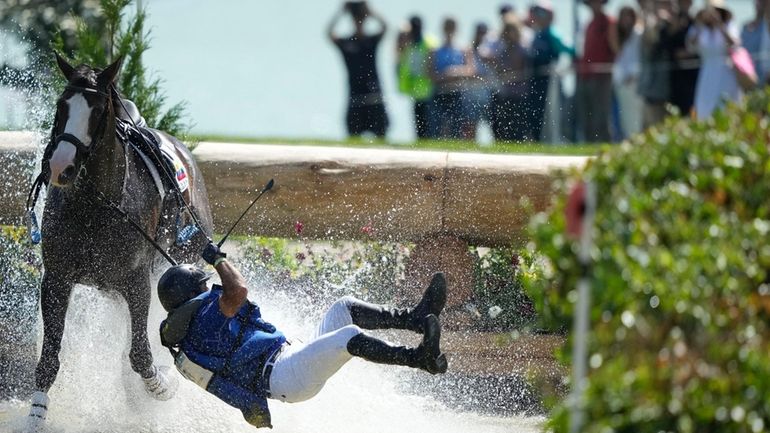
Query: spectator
{"points": [[684, 74], [655, 77], [712, 37], [402, 42], [414, 78], [494, 44], [545, 50], [366, 108], [594, 74], [478, 95], [625, 74], [451, 69], [513, 67], [755, 37]]}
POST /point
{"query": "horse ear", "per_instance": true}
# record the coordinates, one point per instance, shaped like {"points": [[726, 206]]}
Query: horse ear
{"points": [[64, 66], [108, 75]]}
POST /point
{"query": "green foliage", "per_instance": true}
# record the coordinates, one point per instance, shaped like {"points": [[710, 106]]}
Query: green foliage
{"points": [[36, 22], [99, 43], [498, 293], [680, 281], [322, 272]]}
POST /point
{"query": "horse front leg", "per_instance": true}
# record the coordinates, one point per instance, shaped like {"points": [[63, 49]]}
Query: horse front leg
{"points": [[158, 381], [54, 299]]}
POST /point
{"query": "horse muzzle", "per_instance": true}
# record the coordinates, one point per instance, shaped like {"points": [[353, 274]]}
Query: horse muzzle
{"points": [[62, 164], [66, 177]]}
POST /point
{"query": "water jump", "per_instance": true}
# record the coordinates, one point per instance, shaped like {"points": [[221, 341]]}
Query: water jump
{"points": [[108, 186]]}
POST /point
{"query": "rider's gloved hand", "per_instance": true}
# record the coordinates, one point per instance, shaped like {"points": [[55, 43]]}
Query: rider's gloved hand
{"points": [[211, 253]]}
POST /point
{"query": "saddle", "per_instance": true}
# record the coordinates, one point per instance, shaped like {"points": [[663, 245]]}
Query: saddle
{"points": [[128, 112], [159, 156]]}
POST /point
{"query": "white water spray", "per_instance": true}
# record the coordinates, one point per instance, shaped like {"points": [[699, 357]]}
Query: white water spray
{"points": [[96, 390]]}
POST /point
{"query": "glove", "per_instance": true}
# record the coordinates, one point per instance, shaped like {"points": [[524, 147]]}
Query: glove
{"points": [[211, 253]]}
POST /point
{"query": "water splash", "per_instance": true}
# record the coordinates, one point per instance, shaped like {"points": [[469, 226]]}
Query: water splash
{"points": [[96, 391]]}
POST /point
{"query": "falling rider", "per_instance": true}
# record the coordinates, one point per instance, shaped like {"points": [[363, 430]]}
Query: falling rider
{"points": [[220, 341]]}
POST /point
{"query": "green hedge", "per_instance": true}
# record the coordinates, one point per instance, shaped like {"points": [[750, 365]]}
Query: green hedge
{"points": [[681, 288]]}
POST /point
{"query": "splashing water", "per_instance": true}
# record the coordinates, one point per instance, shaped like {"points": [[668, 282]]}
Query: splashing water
{"points": [[96, 390]]}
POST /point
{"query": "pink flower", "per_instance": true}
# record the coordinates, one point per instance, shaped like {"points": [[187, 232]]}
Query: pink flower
{"points": [[367, 229], [298, 226]]}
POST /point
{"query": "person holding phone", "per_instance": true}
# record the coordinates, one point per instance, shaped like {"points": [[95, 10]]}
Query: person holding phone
{"points": [[366, 107]]}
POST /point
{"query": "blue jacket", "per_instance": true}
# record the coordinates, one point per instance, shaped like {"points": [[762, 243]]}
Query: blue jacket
{"points": [[235, 349]]}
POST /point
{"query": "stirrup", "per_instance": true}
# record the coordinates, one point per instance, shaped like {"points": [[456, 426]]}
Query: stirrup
{"points": [[184, 234]]}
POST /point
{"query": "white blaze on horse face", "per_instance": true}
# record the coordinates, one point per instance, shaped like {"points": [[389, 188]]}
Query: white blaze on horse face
{"points": [[77, 125]]}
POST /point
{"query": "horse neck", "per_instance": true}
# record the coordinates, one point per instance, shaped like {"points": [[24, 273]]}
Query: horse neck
{"points": [[106, 168]]}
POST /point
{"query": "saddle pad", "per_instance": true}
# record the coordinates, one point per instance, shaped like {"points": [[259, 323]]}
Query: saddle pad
{"points": [[180, 172]]}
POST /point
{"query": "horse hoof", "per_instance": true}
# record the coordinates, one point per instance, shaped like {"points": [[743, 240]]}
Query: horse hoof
{"points": [[37, 413], [162, 385]]}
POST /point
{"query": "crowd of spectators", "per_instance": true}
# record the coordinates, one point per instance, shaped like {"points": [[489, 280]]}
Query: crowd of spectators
{"points": [[630, 71]]}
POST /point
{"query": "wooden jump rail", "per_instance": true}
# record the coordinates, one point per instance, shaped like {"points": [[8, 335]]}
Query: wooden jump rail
{"points": [[347, 193], [443, 201]]}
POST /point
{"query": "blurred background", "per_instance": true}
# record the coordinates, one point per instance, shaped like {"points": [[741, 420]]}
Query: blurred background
{"points": [[267, 70]]}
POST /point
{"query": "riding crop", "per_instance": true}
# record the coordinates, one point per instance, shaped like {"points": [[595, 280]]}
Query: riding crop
{"points": [[267, 187]]}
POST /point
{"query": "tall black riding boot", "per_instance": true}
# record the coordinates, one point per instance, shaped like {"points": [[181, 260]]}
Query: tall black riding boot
{"points": [[426, 356], [371, 316]]}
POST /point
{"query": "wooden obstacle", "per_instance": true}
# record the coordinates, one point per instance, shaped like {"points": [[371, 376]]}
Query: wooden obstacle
{"points": [[347, 193], [443, 201]]}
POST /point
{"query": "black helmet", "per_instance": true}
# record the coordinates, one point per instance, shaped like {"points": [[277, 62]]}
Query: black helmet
{"points": [[179, 284]]}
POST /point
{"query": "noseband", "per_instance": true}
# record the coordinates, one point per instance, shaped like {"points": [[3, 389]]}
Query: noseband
{"points": [[83, 151]]}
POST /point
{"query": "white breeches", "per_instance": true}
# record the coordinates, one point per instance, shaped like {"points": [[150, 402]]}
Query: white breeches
{"points": [[302, 369]]}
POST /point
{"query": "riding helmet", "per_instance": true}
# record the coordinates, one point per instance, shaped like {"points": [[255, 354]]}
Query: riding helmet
{"points": [[179, 284]]}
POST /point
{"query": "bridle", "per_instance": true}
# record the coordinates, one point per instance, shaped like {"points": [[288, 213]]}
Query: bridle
{"points": [[83, 151]]}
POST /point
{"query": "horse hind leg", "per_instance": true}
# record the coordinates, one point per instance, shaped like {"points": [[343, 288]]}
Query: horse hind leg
{"points": [[158, 381], [54, 299]]}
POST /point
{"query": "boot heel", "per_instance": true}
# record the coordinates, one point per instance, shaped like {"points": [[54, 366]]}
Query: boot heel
{"points": [[439, 366]]}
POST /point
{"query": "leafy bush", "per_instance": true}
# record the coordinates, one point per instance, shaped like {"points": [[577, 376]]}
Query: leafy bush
{"points": [[680, 282], [100, 42], [498, 291], [318, 273]]}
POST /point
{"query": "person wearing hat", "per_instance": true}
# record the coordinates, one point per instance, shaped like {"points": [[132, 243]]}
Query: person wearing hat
{"points": [[713, 37], [220, 341]]}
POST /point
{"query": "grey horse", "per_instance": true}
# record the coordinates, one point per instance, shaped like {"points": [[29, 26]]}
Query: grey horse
{"points": [[98, 185]]}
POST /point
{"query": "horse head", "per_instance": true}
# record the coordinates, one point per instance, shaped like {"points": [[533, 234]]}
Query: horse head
{"points": [[81, 118]]}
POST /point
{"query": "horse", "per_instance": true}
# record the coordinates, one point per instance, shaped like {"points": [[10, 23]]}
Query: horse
{"points": [[102, 203]]}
